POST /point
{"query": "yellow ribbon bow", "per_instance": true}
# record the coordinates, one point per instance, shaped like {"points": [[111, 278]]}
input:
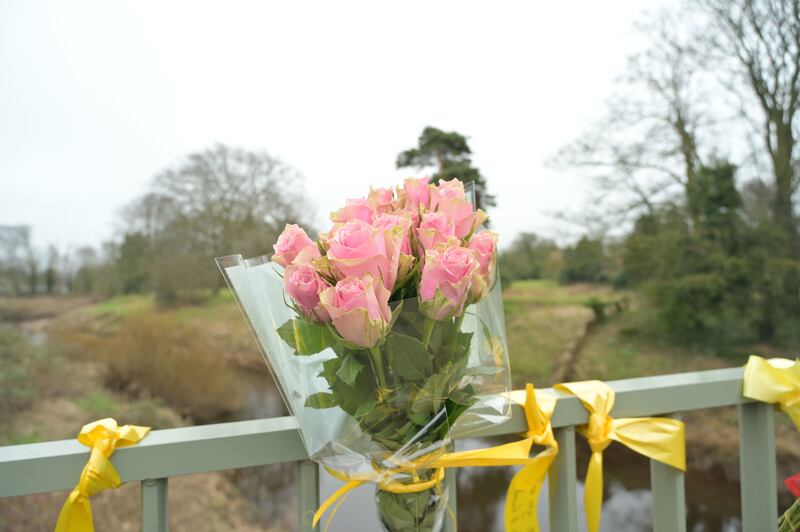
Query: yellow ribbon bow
{"points": [[660, 439], [775, 381], [103, 436], [524, 488]]}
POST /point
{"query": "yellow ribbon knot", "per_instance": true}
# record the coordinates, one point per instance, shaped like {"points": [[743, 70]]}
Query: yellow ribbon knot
{"points": [[104, 437], [775, 381], [660, 439]]}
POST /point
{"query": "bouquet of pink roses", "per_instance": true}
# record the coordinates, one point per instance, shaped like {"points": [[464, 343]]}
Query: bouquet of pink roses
{"points": [[382, 335]]}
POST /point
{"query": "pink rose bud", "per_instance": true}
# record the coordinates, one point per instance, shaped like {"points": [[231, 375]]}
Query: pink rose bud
{"points": [[303, 284], [388, 221], [357, 248], [484, 247], [434, 228], [354, 209], [359, 309], [294, 245], [417, 194], [446, 279], [381, 200]]}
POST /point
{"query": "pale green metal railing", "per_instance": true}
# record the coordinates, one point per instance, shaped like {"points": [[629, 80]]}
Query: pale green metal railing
{"points": [[42, 467]]}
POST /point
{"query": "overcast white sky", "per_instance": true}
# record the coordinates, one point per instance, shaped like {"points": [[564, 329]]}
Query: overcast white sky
{"points": [[97, 97]]}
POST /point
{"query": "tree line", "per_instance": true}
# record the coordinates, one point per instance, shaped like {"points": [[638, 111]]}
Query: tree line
{"points": [[215, 202]]}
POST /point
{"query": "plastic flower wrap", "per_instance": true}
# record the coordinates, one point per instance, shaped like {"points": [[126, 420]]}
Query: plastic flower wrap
{"points": [[383, 335]]}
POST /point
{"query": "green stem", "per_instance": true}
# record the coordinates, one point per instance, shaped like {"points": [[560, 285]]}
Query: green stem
{"points": [[459, 321], [427, 331], [378, 358]]}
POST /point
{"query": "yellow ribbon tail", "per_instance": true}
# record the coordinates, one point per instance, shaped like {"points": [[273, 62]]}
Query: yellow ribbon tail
{"points": [[76, 514], [593, 491], [339, 495], [658, 438], [523, 493], [513, 453]]}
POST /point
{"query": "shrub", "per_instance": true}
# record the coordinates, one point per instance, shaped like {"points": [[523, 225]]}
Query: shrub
{"points": [[152, 355], [22, 368]]}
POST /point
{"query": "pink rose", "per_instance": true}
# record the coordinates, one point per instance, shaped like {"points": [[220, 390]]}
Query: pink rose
{"points": [[417, 193], [294, 245], [381, 200], [357, 248], [447, 190], [449, 199], [446, 279], [303, 284], [354, 209], [359, 309], [484, 247], [434, 228], [388, 221]]}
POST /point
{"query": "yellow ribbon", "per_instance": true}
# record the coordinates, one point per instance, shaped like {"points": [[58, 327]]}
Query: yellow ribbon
{"points": [[660, 439], [103, 436], [524, 488], [775, 381]]}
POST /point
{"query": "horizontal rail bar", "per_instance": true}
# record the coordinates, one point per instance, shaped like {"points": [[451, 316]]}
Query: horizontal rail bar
{"points": [[50, 466]]}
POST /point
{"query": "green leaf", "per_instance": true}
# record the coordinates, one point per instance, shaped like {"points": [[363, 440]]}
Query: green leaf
{"points": [[408, 357], [321, 400], [329, 369], [456, 408], [305, 337], [365, 409], [430, 397], [349, 369], [352, 397]]}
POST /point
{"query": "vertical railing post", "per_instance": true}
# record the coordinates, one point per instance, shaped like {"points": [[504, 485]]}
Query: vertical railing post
{"points": [[154, 505], [669, 498], [308, 496], [563, 504], [451, 518], [757, 467]]}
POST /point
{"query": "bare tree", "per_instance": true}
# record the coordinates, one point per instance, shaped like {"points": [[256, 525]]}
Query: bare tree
{"points": [[647, 150], [216, 202], [760, 41]]}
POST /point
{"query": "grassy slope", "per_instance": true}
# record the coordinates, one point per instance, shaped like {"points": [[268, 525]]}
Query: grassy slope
{"points": [[542, 320]]}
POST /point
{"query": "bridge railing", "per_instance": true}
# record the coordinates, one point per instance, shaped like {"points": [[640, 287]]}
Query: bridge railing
{"points": [[50, 466]]}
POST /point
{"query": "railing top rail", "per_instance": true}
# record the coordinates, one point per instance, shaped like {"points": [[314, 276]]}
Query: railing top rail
{"points": [[50, 466]]}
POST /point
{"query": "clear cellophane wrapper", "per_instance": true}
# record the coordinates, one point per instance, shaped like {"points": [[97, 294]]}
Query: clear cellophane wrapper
{"points": [[436, 378]]}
